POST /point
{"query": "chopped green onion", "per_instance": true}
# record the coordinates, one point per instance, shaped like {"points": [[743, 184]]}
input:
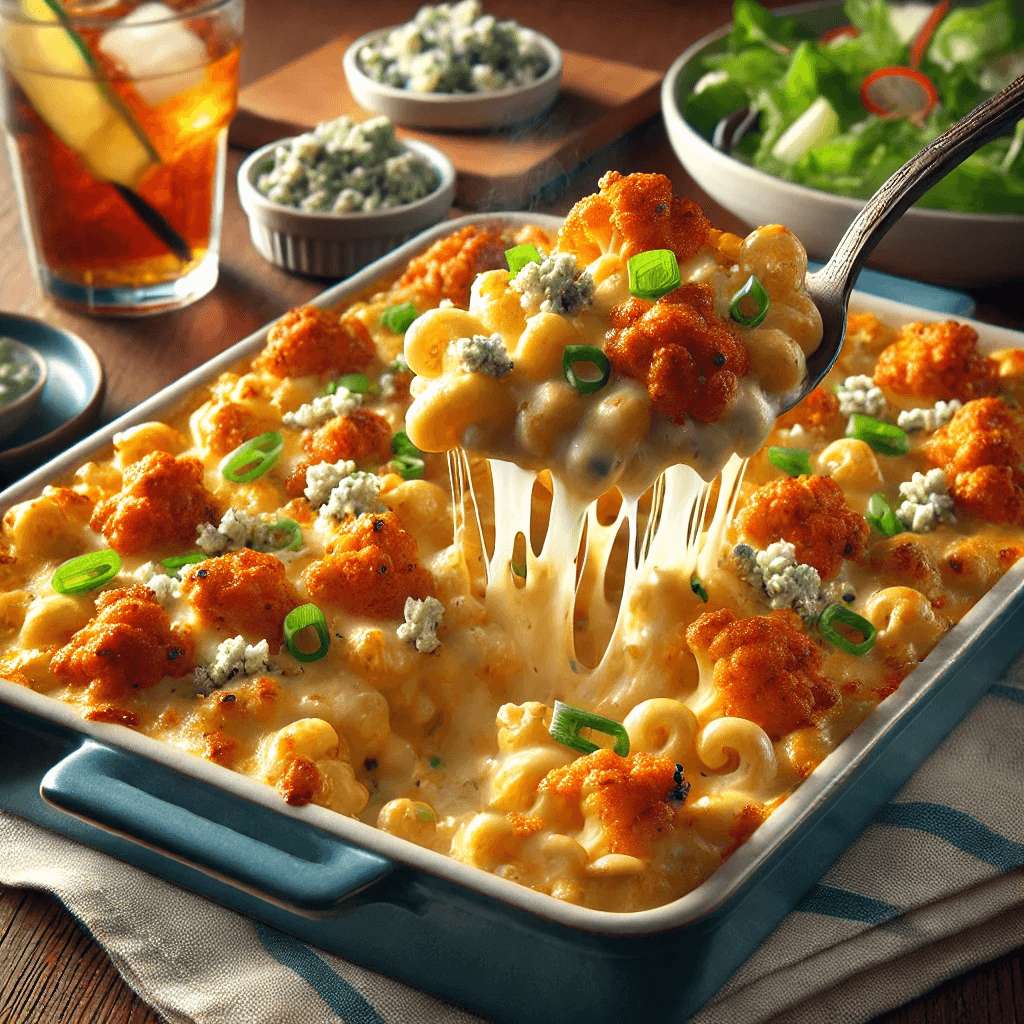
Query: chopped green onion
{"points": [[756, 291], [436, 762], [175, 563], [398, 318], [425, 814], [519, 256], [585, 354], [252, 459], [653, 274], [86, 572], [567, 721], [698, 588], [285, 535], [794, 461], [848, 618], [881, 517], [884, 437], [401, 445], [408, 467], [357, 383], [299, 619]]}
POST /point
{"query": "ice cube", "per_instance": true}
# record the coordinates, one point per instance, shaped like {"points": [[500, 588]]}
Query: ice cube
{"points": [[161, 55]]}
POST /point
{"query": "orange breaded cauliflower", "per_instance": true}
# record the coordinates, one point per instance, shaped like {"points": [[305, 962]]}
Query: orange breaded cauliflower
{"points": [[981, 449], [630, 215], [448, 268], [242, 592], [309, 340], [811, 513], [628, 794], [370, 568], [362, 436], [681, 350], [161, 502], [765, 667], [937, 361], [129, 645], [819, 409]]}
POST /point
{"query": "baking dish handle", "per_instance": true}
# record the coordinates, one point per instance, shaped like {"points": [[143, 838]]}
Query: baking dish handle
{"points": [[292, 863]]}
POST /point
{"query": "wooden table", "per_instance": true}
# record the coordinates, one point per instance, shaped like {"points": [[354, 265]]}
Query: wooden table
{"points": [[50, 970]]}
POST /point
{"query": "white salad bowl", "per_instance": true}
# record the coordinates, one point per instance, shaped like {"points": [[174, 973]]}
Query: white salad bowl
{"points": [[13, 414], [445, 111], [944, 247], [336, 245]]}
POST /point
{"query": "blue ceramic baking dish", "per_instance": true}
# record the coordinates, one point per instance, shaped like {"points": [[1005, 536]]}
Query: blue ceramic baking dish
{"points": [[496, 948]]}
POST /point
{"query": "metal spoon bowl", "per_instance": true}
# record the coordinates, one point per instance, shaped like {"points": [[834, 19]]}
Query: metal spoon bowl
{"points": [[830, 287]]}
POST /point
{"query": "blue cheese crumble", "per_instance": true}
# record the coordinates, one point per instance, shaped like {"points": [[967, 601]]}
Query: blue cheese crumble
{"points": [[344, 167], [928, 419], [860, 394], [450, 48], [556, 283], [786, 582], [234, 659], [421, 621], [237, 530], [926, 502], [166, 589], [355, 495], [486, 355], [323, 477], [323, 408]]}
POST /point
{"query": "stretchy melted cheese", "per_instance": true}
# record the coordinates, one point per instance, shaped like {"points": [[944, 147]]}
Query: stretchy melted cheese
{"points": [[461, 605]]}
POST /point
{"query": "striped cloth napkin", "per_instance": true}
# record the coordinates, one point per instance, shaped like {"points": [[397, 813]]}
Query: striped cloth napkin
{"points": [[933, 887]]}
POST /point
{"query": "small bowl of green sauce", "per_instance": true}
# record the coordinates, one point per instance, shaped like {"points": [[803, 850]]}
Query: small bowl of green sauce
{"points": [[22, 379]]}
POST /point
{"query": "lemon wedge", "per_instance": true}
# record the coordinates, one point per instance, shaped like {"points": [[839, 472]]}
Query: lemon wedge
{"points": [[45, 59]]}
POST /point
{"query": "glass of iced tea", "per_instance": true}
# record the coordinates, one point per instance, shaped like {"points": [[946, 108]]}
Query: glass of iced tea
{"points": [[116, 120]]}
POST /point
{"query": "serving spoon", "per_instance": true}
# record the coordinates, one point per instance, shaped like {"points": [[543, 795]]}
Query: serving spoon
{"points": [[829, 288]]}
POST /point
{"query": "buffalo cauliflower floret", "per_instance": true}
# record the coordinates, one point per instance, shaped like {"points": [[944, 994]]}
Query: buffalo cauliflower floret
{"points": [[811, 513], [162, 501], [129, 645], [819, 409], [362, 437], [244, 592], [421, 621], [686, 355], [630, 215], [449, 267], [981, 450], [309, 340], [765, 668], [937, 361], [370, 568], [926, 502]]}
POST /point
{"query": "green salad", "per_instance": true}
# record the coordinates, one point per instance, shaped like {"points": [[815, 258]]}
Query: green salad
{"points": [[843, 111]]}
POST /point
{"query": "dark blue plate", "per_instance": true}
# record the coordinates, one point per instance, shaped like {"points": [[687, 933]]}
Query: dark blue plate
{"points": [[70, 402]]}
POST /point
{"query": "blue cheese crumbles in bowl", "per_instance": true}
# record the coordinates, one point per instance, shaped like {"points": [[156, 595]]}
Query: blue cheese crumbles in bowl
{"points": [[23, 374], [332, 200], [453, 66]]}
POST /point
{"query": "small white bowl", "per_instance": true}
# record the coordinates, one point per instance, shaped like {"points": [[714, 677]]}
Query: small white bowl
{"points": [[447, 111], [957, 249], [13, 414], [338, 244]]}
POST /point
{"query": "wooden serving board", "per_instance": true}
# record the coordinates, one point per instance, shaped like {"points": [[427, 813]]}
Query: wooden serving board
{"points": [[599, 101]]}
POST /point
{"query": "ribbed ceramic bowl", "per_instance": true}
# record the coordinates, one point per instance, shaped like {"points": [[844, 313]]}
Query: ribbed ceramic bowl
{"points": [[336, 245], [454, 111], [14, 414], [959, 249]]}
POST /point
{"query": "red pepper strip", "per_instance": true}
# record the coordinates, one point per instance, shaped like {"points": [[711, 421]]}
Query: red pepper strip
{"points": [[921, 89], [838, 33], [924, 36]]}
